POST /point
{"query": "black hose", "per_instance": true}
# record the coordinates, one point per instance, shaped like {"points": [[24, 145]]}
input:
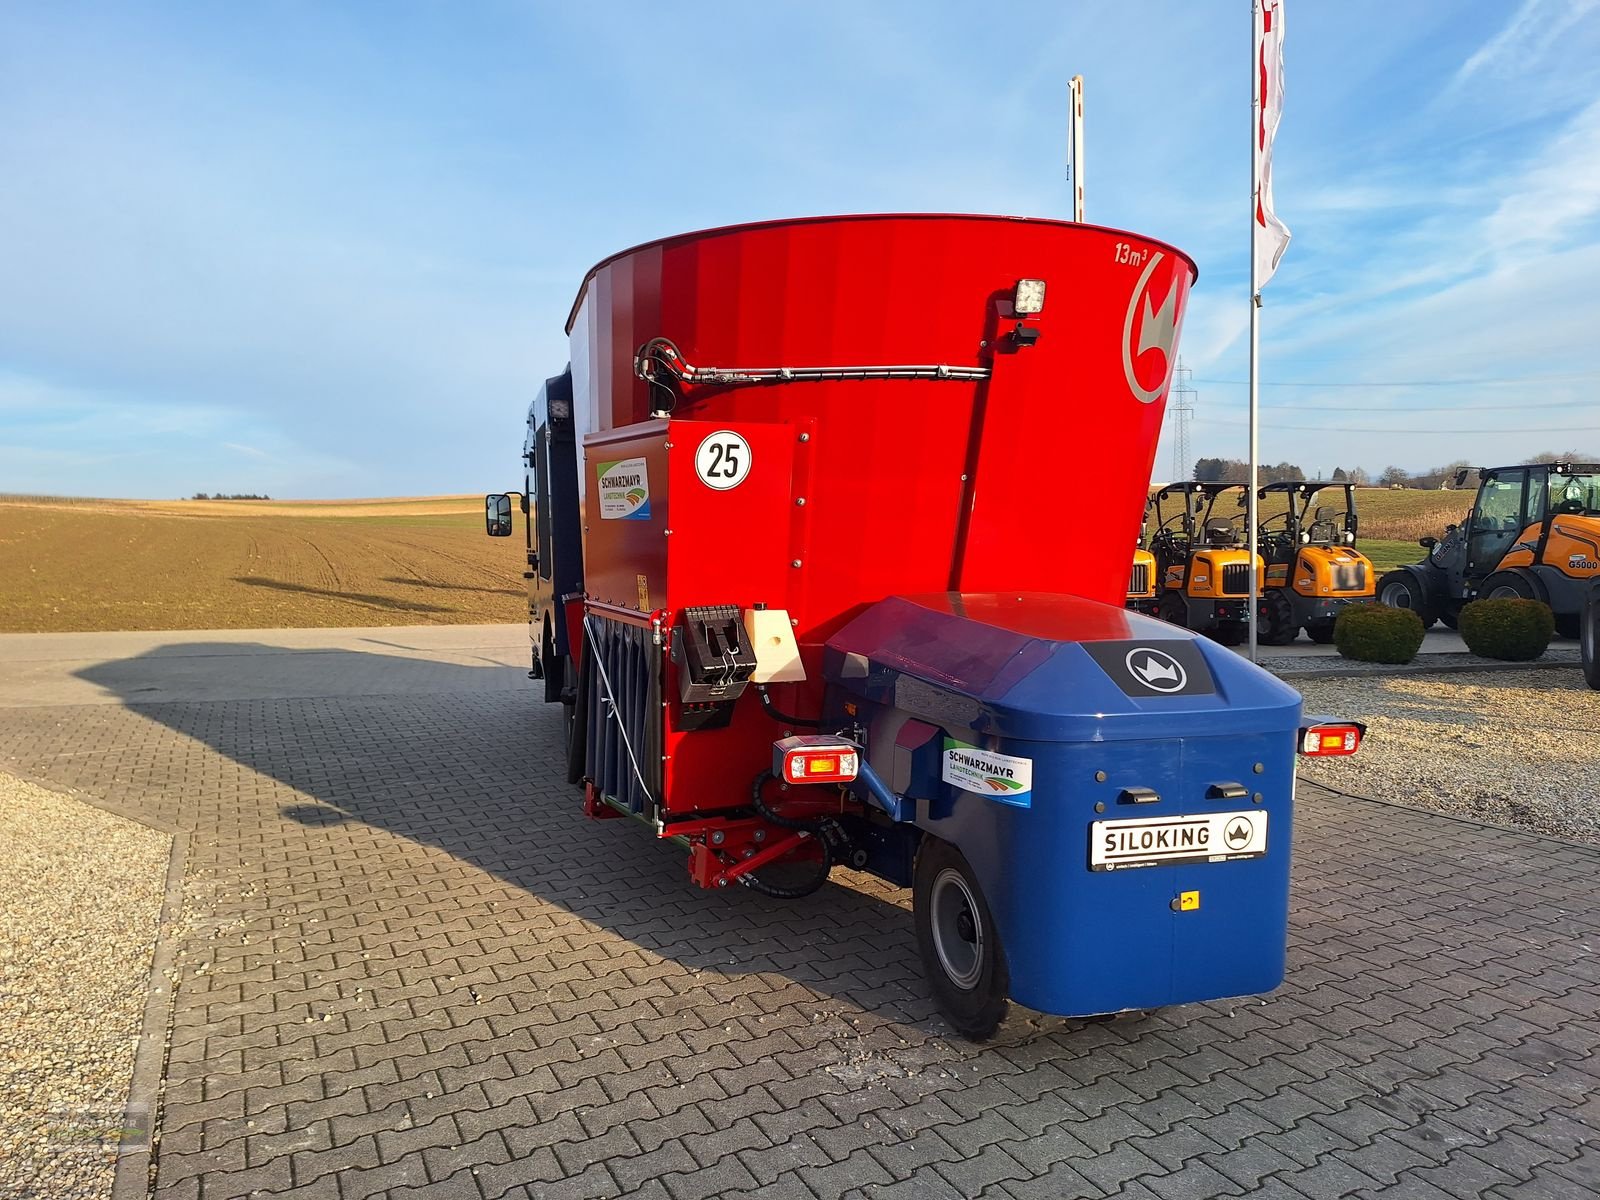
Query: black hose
{"points": [[773, 890], [784, 718], [773, 816]]}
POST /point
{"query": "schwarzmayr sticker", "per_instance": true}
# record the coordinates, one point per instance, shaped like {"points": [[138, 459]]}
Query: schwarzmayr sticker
{"points": [[999, 776], [624, 490]]}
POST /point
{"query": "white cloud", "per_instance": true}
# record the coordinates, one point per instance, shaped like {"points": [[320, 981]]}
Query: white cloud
{"points": [[1557, 191], [1530, 34]]}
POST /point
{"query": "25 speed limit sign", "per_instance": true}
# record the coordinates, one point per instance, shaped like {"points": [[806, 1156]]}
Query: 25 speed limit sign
{"points": [[723, 460]]}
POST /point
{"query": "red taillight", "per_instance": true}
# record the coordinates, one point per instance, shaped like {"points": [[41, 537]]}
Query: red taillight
{"points": [[1326, 739], [813, 759]]}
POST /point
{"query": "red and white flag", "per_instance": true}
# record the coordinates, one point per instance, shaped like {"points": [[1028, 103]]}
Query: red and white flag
{"points": [[1270, 236]]}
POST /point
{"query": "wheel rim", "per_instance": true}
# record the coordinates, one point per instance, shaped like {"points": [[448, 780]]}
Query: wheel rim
{"points": [[1505, 592], [958, 934], [1397, 595]]}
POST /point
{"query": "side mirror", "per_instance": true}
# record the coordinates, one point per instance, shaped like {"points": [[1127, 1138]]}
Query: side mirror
{"points": [[1461, 477], [1428, 543], [497, 515]]}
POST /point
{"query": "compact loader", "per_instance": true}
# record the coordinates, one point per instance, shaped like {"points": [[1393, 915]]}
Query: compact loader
{"points": [[1142, 578], [1312, 567], [1202, 563], [1533, 532]]}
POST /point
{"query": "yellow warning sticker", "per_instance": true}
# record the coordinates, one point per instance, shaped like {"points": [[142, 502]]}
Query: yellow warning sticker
{"points": [[1188, 901]]}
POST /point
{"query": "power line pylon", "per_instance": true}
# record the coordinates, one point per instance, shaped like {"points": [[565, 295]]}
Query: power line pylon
{"points": [[1182, 410]]}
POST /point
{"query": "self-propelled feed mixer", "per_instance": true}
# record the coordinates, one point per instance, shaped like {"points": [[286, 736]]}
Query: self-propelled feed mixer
{"points": [[828, 535]]}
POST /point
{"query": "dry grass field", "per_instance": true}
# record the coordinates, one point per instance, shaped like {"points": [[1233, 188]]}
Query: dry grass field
{"points": [[73, 564], [1404, 516]]}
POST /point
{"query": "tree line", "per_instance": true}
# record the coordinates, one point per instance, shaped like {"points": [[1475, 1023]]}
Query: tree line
{"points": [[1232, 470], [228, 496]]}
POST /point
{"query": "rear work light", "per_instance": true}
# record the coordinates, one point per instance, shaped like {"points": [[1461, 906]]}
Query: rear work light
{"points": [[815, 759], [1327, 739]]}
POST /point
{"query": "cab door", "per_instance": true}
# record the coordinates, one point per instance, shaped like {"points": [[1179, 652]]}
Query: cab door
{"points": [[1497, 518]]}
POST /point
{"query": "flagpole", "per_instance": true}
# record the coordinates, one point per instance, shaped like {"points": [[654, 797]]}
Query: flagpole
{"points": [[1257, 116], [1075, 144]]}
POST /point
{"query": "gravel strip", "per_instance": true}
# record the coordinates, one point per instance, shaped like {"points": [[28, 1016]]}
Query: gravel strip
{"points": [[1518, 748], [80, 896], [1333, 664]]}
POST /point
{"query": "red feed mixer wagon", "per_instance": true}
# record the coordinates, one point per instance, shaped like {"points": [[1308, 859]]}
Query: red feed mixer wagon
{"points": [[827, 545]]}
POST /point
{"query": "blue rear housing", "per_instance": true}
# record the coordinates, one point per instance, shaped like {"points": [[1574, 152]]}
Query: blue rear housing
{"points": [[1022, 675]]}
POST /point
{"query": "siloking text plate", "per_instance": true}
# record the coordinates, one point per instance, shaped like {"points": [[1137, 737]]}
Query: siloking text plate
{"points": [[1164, 841]]}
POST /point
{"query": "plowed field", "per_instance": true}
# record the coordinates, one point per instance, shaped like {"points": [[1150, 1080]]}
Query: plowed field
{"points": [[68, 565]]}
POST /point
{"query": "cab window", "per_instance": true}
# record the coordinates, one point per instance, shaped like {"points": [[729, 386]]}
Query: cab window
{"points": [[1500, 501]]}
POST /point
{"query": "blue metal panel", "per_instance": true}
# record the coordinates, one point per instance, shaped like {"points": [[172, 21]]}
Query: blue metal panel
{"points": [[1081, 941]]}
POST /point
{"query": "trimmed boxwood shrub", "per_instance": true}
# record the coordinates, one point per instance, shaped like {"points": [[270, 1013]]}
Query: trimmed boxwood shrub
{"points": [[1513, 630], [1378, 633]]}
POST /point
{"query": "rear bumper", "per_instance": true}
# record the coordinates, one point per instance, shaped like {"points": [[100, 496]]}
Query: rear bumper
{"points": [[1323, 608]]}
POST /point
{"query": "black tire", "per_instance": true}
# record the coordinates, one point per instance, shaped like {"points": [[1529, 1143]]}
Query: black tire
{"points": [[1402, 589], [1320, 632], [959, 944], [1569, 625], [1450, 617], [1589, 638], [1172, 609], [1277, 626], [1229, 633], [578, 725], [555, 671], [1508, 585]]}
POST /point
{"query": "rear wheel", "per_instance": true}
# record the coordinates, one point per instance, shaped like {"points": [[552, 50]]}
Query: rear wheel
{"points": [[1171, 609], [1508, 585], [1320, 632], [1277, 626], [1402, 589], [958, 942], [577, 714], [1589, 638], [1450, 617], [553, 667]]}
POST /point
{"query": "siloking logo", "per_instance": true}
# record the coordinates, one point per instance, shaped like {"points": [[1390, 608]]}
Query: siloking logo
{"points": [[1156, 669], [1149, 333]]}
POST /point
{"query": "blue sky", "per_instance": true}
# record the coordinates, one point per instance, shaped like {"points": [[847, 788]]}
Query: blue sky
{"points": [[327, 250]]}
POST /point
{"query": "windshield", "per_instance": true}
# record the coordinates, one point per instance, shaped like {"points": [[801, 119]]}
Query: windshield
{"points": [[1325, 504], [1574, 493]]}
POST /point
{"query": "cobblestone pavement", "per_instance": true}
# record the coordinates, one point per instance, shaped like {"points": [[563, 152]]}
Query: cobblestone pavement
{"points": [[409, 963]]}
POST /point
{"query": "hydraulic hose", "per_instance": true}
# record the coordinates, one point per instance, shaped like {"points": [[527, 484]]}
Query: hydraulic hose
{"points": [[773, 816], [776, 891], [784, 718]]}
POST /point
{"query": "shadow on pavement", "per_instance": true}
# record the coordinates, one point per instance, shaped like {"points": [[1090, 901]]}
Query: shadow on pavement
{"points": [[466, 760]]}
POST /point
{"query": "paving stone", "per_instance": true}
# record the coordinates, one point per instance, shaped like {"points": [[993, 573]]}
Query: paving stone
{"points": [[589, 1024]]}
